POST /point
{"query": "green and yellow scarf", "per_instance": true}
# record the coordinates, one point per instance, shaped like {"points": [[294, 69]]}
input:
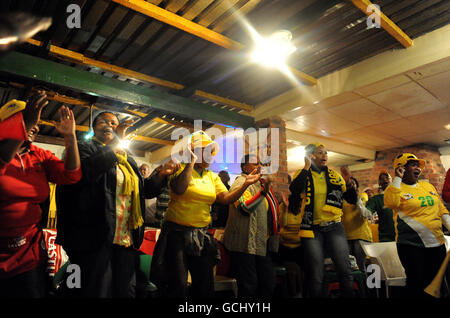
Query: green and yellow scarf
{"points": [[131, 187]]}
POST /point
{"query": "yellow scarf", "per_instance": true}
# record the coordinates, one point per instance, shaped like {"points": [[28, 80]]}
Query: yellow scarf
{"points": [[131, 187]]}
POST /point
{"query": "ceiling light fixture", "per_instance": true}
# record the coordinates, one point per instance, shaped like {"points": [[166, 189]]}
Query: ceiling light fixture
{"points": [[274, 50]]}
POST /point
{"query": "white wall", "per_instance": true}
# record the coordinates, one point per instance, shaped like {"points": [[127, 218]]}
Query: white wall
{"points": [[55, 149]]}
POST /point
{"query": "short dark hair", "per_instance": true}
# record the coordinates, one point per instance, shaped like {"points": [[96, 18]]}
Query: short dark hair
{"points": [[246, 159], [94, 122]]}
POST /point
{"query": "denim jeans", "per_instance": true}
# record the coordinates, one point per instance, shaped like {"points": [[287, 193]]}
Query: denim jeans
{"points": [[357, 251], [328, 240]]}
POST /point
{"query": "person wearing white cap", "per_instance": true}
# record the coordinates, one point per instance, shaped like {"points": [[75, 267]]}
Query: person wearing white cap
{"points": [[418, 215]]}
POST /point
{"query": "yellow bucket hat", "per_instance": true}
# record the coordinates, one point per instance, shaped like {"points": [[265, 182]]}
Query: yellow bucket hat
{"points": [[200, 139], [403, 159]]}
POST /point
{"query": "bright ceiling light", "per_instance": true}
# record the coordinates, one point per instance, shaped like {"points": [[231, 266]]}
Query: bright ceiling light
{"points": [[447, 126], [273, 51]]}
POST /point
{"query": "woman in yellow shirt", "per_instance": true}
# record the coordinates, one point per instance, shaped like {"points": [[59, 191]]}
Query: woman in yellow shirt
{"points": [[418, 215], [356, 224], [321, 230], [185, 244]]}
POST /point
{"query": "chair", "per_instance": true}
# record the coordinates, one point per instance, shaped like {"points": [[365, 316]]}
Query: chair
{"points": [[385, 255], [221, 281]]}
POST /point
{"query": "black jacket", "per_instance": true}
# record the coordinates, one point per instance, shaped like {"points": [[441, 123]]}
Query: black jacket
{"points": [[86, 211]]}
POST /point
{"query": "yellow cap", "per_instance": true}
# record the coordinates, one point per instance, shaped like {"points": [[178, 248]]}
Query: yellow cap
{"points": [[10, 108], [403, 159], [200, 139]]}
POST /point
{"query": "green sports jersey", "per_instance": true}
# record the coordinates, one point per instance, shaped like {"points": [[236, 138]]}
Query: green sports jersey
{"points": [[386, 229]]}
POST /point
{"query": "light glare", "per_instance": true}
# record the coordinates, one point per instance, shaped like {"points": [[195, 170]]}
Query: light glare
{"points": [[273, 51]]}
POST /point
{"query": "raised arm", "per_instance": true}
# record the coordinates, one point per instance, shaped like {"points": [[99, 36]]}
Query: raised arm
{"points": [[392, 192], [66, 127], [154, 184], [228, 197], [180, 183], [31, 115]]}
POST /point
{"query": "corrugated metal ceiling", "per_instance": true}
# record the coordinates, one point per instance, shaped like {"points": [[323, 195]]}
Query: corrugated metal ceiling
{"points": [[329, 35]]}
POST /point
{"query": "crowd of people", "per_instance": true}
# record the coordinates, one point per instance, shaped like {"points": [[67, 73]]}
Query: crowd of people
{"points": [[103, 208]]}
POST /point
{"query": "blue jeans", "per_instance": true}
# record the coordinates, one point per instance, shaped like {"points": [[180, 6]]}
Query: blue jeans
{"points": [[328, 240]]}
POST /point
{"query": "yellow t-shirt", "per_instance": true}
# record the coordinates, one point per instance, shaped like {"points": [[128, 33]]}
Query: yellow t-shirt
{"points": [[355, 225], [417, 214], [192, 208], [320, 195], [289, 227]]}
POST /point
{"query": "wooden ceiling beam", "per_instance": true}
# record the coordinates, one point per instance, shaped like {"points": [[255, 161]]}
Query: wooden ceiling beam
{"points": [[79, 58], [387, 24], [138, 137], [53, 73], [181, 23], [78, 102], [223, 100], [196, 29]]}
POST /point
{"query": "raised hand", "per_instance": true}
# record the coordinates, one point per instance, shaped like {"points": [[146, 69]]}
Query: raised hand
{"points": [[307, 162], [346, 174], [193, 156], [121, 130], [168, 169], [32, 112], [400, 171], [66, 124], [252, 177]]}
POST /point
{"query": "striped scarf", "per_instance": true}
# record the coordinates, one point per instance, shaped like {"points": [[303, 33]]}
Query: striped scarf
{"points": [[273, 212]]}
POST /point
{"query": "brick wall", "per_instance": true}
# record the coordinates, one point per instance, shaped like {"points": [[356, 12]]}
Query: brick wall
{"points": [[434, 170], [280, 178]]}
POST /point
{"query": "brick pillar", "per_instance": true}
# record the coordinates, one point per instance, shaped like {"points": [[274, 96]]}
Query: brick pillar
{"points": [[280, 178], [434, 170]]}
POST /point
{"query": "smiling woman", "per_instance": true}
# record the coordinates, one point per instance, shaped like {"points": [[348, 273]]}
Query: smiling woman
{"points": [[100, 219]]}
